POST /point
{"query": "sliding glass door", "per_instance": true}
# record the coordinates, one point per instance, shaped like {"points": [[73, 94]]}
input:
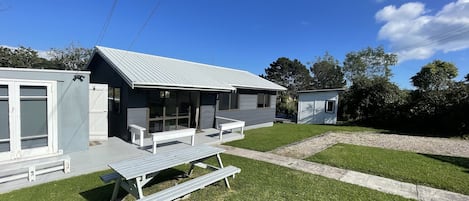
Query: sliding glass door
{"points": [[27, 119]]}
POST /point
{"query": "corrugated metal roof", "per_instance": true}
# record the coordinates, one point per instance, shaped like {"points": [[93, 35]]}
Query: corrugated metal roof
{"points": [[144, 70]]}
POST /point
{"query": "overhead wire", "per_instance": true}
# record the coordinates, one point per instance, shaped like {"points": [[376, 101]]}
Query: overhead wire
{"points": [[442, 37], [153, 11], [106, 23]]}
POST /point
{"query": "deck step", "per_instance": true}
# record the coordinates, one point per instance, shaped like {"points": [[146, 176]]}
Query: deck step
{"points": [[193, 184]]}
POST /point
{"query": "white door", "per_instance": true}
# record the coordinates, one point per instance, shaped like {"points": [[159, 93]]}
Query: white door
{"points": [[28, 119], [98, 112]]}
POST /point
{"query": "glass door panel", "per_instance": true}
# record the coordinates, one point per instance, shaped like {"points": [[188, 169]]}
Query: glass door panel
{"points": [[4, 120], [33, 117]]}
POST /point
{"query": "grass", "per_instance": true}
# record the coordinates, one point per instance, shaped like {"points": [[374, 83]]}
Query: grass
{"points": [[257, 181], [443, 172], [269, 138]]}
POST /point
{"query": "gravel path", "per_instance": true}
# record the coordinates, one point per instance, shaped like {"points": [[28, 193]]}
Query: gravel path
{"points": [[427, 145]]}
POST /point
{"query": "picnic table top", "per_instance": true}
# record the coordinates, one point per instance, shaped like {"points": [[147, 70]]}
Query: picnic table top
{"points": [[141, 166]]}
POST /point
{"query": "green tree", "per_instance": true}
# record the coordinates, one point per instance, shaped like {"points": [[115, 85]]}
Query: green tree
{"points": [[5, 57], [18, 57], [437, 75], [373, 98], [71, 58], [369, 63], [327, 73], [291, 74]]}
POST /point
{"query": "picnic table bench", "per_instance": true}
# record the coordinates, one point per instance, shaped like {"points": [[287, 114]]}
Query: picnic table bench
{"points": [[31, 168], [230, 126], [174, 134], [137, 130], [134, 173]]}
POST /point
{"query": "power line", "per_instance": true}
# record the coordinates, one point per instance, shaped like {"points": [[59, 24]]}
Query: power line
{"points": [[145, 24], [106, 23], [441, 37]]}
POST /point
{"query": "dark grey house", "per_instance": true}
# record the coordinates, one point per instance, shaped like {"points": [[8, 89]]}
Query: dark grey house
{"points": [[162, 94]]}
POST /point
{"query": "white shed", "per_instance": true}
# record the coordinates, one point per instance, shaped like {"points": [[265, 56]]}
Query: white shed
{"points": [[318, 106]]}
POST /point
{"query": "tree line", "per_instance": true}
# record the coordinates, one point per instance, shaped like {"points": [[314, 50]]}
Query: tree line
{"points": [[438, 105], [70, 58]]}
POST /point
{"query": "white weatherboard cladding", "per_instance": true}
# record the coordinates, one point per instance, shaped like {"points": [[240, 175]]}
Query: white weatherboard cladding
{"points": [[143, 70], [311, 108], [247, 101]]}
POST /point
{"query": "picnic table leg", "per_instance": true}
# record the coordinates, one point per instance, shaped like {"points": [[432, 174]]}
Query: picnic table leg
{"points": [[191, 169], [139, 187], [221, 166], [141, 138], [221, 133], [117, 185]]}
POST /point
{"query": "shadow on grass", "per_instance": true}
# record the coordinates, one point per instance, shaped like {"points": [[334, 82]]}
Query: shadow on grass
{"points": [[458, 161], [101, 193], [105, 192]]}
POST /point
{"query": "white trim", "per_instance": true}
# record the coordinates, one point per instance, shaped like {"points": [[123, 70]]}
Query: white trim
{"points": [[138, 84], [14, 102], [321, 90], [152, 86]]}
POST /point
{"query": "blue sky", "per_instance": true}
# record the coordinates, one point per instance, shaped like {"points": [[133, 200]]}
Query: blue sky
{"points": [[251, 34]]}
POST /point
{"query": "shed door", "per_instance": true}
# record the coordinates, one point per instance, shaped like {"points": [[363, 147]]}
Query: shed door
{"points": [[98, 111], [28, 119]]}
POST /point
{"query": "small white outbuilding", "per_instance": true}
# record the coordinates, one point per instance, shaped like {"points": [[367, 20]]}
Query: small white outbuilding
{"points": [[318, 106]]}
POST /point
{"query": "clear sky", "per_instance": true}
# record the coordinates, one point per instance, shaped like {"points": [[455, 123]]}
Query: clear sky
{"points": [[248, 34]]}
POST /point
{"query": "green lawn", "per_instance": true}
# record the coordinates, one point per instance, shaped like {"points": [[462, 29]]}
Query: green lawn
{"points": [[269, 138], [257, 181], [443, 172]]}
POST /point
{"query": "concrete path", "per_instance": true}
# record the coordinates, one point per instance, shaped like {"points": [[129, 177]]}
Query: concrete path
{"points": [[382, 184]]}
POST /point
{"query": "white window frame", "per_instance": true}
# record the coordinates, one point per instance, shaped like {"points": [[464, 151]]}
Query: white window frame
{"points": [[330, 110], [14, 101]]}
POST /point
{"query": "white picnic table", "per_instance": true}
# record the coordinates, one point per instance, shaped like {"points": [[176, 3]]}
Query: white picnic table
{"points": [[136, 172]]}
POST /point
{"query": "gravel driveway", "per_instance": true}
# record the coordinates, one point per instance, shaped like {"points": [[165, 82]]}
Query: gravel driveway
{"points": [[427, 145]]}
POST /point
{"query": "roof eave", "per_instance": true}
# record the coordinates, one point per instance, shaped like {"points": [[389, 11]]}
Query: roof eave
{"points": [[182, 87]]}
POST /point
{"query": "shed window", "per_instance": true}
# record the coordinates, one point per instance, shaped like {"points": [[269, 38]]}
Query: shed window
{"points": [[263, 100], [330, 104], [114, 98], [228, 101]]}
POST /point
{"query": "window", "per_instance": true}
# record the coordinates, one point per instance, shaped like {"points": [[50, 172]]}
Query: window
{"points": [[228, 101], [28, 121], [330, 104], [263, 100], [114, 98]]}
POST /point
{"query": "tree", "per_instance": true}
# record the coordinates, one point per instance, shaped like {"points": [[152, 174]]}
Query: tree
{"points": [[5, 57], [436, 75], [290, 74], [71, 58], [369, 63], [372, 98], [18, 57], [327, 73]]}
